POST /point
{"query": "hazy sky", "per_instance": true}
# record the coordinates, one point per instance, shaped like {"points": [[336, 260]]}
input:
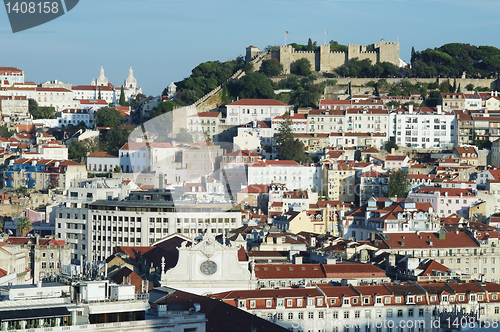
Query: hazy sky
{"points": [[163, 40]]}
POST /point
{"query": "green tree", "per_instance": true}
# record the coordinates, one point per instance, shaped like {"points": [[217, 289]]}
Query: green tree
{"points": [[77, 150], [253, 86], [289, 148], [184, 136], [285, 131], [271, 67], [122, 97], [292, 149], [469, 87], [165, 107], [99, 94], [389, 145], [23, 226], [42, 112], [336, 47], [117, 169], [310, 45], [116, 138], [399, 184], [302, 67], [108, 117], [5, 132], [32, 105], [272, 48]]}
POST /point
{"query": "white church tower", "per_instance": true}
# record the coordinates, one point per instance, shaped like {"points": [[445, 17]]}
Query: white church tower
{"points": [[130, 81], [101, 80]]}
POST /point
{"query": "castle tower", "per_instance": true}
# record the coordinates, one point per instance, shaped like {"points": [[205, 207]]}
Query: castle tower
{"points": [[101, 80], [324, 58], [389, 52], [286, 57], [251, 51], [130, 81]]}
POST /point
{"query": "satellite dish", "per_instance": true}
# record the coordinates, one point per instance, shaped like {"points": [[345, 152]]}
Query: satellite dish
{"points": [[9, 232]]}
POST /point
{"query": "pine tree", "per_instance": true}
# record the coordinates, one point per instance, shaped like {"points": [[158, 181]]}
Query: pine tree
{"points": [[309, 45], [454, 85], [122, 97], [399, 184], [99, 95], [413, 54]]}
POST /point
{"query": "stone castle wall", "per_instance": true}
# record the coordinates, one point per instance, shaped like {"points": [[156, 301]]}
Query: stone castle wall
{"points": [[324, 60]]}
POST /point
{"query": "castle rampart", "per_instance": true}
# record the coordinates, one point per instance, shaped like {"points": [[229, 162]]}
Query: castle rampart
{"points": [[325, 60]]}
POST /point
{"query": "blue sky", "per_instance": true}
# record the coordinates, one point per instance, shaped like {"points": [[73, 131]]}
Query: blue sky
{"points": [[164, 39]]}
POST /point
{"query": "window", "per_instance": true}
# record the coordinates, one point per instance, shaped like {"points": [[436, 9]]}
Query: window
{"points": [[410, 312], [346, 314], [290, 316], [421, 312], [280, 316], [269, 303], [335, 315], [346, 301], [310, 315], [321, 315], [301, 315], [389, 313], [357, 314], [400, 313]]}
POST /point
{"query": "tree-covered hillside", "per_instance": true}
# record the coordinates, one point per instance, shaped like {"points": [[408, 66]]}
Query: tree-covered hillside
{"points": [[206, 77], [451, 60]]}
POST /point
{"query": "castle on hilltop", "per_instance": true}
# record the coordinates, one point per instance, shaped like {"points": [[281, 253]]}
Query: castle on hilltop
{"points": [[324, 60]]}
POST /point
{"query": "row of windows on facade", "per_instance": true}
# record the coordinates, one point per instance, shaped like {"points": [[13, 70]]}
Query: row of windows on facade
{"points": [[126, 240], [51, 265], [366, 300], [346, 314]]}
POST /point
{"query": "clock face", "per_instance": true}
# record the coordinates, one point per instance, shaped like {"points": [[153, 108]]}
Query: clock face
{"points": [[208, 267]]}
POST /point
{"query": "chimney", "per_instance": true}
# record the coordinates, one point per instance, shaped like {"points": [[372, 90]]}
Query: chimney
{"points": [[291, 112], [393, 150], [410, 109], [438, 107], [297, 259]]}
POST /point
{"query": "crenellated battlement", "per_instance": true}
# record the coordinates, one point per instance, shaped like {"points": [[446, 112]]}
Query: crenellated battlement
{"points": [[325, 60]]}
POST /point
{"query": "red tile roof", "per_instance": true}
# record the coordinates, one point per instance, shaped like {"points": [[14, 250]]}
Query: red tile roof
{"points": [[424, 240]]}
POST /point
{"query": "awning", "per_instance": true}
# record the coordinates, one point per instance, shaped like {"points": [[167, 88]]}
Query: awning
{"points": [[24, 314]]}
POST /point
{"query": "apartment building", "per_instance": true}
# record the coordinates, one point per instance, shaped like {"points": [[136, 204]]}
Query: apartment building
{"points": [[244, 111], [389, 215], [148, 216], [42, 174], [383, 308], [423, 127], [71, 216], [339, 181], [290, 173]]}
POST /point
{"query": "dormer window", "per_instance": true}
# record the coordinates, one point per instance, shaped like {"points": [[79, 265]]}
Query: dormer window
{"points": [[346, 301], [411, 299]]}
